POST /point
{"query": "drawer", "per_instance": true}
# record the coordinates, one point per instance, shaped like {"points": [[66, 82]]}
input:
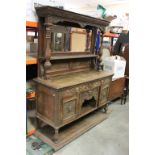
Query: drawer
{"points": [[88, 86], [106, 81], [69, 109], [74, 91], [68, 93]]}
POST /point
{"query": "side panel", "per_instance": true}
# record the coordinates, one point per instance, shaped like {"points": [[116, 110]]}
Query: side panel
{"points": [[116, 88], [46, 102]]}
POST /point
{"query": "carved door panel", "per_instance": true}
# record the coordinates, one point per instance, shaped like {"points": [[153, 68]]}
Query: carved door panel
{"points": [[103, 95], [88, 100], [69, 110]]}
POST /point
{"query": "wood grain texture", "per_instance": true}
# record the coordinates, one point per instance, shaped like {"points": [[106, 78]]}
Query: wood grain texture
{"points": [[59, 107], [69, 89], [64, 15], [69, 80], [69, 133], [116, 89]]}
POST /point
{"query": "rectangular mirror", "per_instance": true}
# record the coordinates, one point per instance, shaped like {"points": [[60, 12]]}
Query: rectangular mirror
{"points": [[69, 39], [58, 41]]}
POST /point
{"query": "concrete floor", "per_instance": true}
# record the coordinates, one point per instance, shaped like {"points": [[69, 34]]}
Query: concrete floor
{"points": [[111, 137]]}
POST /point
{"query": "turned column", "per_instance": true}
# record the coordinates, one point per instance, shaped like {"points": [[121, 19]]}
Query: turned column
{"points": [[87, 41], [92, 48], [100, 67], [48, 53]]}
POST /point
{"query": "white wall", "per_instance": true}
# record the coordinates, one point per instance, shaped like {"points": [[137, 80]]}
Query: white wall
{"points": [[120, 10], [84, 7]]}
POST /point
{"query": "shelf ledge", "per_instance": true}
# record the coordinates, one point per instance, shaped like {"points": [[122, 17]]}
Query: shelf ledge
{"points": [[72, 57]]}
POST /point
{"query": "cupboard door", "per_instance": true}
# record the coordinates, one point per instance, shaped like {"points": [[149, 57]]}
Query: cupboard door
{"points": [[103, 95], [69, 110]]}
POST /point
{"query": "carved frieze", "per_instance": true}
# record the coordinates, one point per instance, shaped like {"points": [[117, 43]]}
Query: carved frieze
{"points": [[87, 95], [69, 92], [56, 20], [88, 86], [82, 88]]}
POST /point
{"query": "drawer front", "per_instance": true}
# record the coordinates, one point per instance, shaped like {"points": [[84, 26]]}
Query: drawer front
{"points": [[87, 86], [69, 109], [106, 81], [69, 93]]}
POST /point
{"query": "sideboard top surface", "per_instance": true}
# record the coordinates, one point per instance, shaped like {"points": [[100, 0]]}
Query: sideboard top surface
{"points": [[69, 80]]}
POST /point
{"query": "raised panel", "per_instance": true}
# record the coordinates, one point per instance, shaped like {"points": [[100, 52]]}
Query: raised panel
{"points": [[104, 95], [58, 67], [69, 110], [80, 64], [67, 67], [45, 105], [116, 88]]}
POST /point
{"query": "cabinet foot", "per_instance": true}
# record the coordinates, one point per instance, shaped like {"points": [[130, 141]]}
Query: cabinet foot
{"points": [[106, 108], [38, 123], [122, 97], [56, 135]]}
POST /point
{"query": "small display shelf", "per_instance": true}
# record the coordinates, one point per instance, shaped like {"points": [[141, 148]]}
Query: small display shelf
{"points": [[72, 57]]}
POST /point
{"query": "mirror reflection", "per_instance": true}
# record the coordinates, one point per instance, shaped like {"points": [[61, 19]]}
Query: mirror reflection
{"points": [[71, 40], [57, 39]]}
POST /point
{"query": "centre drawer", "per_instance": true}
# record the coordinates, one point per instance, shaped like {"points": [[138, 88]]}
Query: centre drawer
{"points": [[106, 81]]}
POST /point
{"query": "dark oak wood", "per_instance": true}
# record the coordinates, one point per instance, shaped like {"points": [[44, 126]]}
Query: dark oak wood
{"points": [[69, 80], [69, 88], [70, 91], [116, 89], [125, 54], [72, 57], [63, 15]]}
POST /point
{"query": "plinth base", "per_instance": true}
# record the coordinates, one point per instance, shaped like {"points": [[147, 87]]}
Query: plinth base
{"points": [[71, 131]]}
